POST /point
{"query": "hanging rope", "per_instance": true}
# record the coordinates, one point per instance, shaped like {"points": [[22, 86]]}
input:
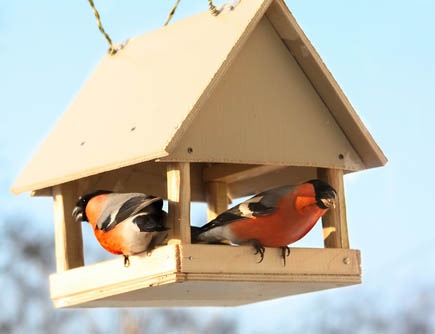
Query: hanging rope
{"points": [[112, 50], [171, 13], [229, 5], [213, 10]]}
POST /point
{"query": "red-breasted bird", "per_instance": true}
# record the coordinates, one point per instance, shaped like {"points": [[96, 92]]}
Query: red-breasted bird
{"points": [[123, 223], [273, 218]]}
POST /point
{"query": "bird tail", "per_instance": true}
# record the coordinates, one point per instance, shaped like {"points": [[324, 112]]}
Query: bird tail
{"points": [[150, 222], [194, 233]]}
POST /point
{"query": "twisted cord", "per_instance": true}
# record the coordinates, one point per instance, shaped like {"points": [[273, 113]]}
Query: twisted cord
{"points": [[214, 11], [112, 50], [171, 13]]}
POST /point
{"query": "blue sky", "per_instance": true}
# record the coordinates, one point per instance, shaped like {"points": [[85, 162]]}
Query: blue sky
{"points": [[380, 52]]}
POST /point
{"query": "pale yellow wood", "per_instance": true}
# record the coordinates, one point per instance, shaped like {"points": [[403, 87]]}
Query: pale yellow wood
{"points": [[217, 199], [67, 233], [42, 192], [266, 111], [150, 178], [273, 117], [325, 84], [145, 93], [288, 175], [230, 173], [178, 182], [334, 222], [217, 292], [155, 114], [199, 275], [112, 277], [195, 258]]}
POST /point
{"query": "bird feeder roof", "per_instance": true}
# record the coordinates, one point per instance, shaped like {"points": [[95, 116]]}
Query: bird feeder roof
{"points": [[245, 87]]}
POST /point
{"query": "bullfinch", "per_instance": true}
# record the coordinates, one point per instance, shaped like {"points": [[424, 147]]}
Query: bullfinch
{"points": [[273, 218], [123, 223]]}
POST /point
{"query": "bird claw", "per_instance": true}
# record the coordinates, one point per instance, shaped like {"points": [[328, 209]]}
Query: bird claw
{"points": [[259, 249], [126, 261], [285, 251]]}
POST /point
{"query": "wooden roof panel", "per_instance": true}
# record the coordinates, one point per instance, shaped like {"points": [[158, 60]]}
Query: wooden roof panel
{"points": [[325, 84], [155, 85], [139, 105], [265, 110]]}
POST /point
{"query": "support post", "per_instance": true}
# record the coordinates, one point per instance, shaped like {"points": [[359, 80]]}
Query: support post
{"points": [[178, 193], [217, 199], [334, 222], [68, 239]]}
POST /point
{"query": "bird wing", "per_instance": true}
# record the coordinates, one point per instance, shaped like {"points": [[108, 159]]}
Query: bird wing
{"points": [[122, 206], [262, 204]]}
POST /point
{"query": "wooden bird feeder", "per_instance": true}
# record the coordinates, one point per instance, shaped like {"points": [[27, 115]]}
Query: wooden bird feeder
{"points": [[206, 109]]}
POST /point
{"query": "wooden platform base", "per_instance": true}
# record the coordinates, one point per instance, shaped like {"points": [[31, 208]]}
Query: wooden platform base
{"points": [[204, 275]]}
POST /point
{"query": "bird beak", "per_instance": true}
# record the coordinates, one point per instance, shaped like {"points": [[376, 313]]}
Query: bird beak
{"points": [[328, 202]]}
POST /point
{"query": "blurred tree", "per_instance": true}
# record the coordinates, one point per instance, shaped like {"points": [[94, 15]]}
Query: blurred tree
{"points": [[136, 321], [369, 314], [27, 259]]}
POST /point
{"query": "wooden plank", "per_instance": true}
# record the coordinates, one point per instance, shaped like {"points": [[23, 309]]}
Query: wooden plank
{"points": [[220, 292], [230, 173], [217, 199], [199, 275], [67, 233], [211, 259], [287, 175], [112, 277], [147, 177], [42, 192], [335, 234], [178, 183]]}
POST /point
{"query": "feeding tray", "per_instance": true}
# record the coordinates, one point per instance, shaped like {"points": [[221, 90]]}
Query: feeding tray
{"points": [[204, 275]]}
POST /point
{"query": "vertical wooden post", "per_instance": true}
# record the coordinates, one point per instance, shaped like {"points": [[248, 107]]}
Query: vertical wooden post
{"points": [[334, 221], [68, 239], [217, 199], [178, 187]]}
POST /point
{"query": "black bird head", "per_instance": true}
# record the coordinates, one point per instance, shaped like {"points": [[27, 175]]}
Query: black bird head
{"points": [[325, 195], [79, 212]]}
